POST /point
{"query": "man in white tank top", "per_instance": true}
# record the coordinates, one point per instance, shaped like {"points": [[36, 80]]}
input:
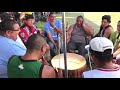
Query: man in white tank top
{"points": [[101, 50]]}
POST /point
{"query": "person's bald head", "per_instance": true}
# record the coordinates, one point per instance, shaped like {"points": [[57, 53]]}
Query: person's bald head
{"points": [[35, 42]]}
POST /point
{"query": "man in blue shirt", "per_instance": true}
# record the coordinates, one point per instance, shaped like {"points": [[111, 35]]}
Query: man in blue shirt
{"points": [[53, 28], [9, 46]]}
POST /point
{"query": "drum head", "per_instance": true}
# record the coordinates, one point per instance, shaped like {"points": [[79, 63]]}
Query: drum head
{"points": [[74, 61]]}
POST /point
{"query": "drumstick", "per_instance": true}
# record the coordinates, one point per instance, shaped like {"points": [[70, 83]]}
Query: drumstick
{"points": [[56, 69], [44, 61], [66, 26], [89, 60], [59, 48], [87, 48]]}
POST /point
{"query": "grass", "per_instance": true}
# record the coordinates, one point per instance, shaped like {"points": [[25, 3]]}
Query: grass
{"points": [[40, 25], [95, 17]]}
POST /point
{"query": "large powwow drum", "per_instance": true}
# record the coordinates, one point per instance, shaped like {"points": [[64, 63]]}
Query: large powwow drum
{"points": [[76, 64]]}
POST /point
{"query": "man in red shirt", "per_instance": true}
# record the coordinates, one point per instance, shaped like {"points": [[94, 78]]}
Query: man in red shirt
{"points": [[28, 28]]}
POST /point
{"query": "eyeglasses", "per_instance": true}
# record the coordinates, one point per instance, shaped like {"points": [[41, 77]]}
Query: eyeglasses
{"points": [[15, 30]]}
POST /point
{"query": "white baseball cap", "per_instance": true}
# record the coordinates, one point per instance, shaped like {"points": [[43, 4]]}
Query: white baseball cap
{"points": [[100, 44]]}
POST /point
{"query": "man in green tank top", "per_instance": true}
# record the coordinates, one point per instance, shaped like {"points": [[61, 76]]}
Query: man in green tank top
{"points": [[28, 66]]}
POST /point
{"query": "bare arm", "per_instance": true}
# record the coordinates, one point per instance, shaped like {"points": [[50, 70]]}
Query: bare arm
{"points": [[88, 29], [48, 72], [108, 32], [56, 28], [70, 29]]}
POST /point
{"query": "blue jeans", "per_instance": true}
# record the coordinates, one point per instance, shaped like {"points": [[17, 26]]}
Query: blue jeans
{"points": [[52, 48]]}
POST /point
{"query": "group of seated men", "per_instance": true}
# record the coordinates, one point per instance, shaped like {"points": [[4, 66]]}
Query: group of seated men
{"points": [[26, 52]]}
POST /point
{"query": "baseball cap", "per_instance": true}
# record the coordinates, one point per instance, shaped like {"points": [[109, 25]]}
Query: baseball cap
{"points": [[100, 44]]}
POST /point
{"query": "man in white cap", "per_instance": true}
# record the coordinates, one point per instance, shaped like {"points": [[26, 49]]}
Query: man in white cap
{"points": [[101, 50]]}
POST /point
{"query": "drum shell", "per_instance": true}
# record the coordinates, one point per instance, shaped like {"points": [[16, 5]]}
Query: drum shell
{"points": [[60, 73]]}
